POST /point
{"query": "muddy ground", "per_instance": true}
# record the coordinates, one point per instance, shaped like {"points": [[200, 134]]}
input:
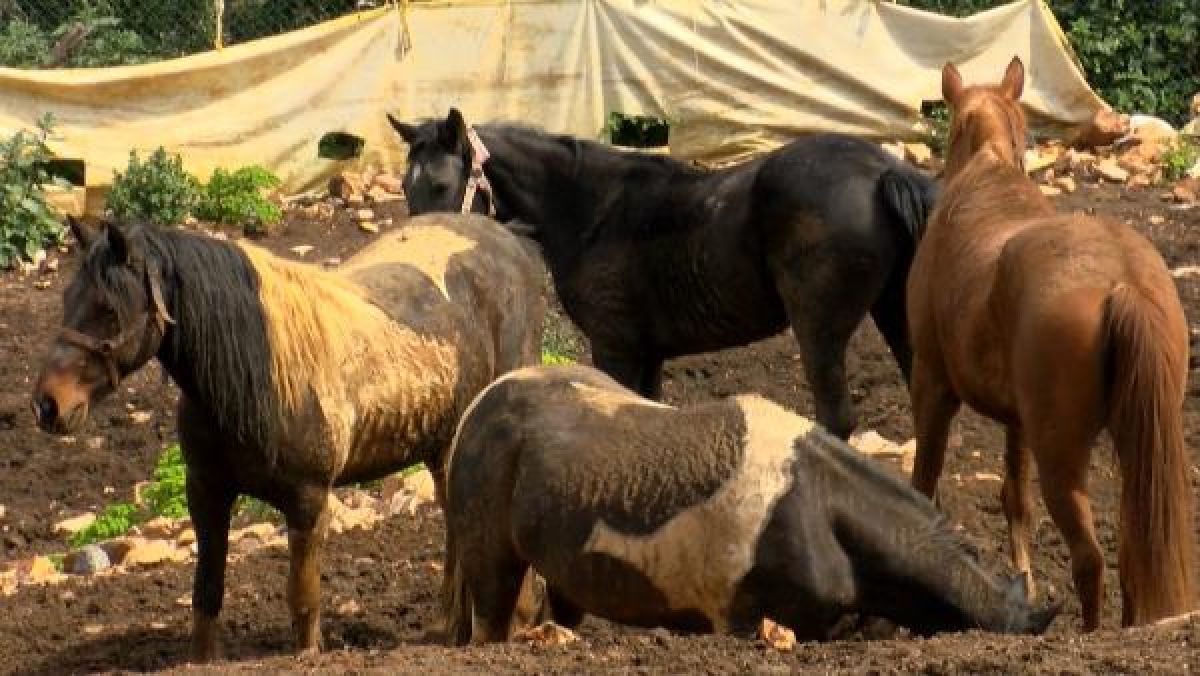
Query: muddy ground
{"points": [[379, 585]]}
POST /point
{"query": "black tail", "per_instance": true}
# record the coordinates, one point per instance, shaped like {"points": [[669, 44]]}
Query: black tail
{"points": [[910, 196]]}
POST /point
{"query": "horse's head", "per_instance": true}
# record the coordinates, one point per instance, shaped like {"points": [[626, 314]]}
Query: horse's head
{"points": [[1020, 617], [114, 319], [985, 116], [440, 161]]}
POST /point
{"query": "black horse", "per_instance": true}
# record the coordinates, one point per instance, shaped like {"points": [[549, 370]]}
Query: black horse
{"points": [[653, 258]]}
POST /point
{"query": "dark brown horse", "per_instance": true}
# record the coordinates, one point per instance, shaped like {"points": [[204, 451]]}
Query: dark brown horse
{"points": [[1056, 326], [707, 518], [294, 379], [653, 258]]}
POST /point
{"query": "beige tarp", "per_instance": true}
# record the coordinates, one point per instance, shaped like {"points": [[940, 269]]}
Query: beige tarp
{"points": [[735, 77]]}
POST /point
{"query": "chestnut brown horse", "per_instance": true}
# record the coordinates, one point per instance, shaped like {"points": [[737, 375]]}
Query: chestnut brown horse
{"points": [[1056, 326], [294, 379]]}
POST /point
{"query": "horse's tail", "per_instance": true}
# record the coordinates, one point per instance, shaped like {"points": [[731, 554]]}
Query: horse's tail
{"points": [[910, 197], [456, 598], [1148, 380]]}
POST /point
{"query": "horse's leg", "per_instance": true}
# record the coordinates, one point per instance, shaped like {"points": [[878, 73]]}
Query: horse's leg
{"points": [[1018, 503], [308, 522], [495, 579], [934, 407], [210, 502]]}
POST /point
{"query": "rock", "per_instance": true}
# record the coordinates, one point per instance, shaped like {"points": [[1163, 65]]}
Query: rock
{"points": [[302, 249], [894, 148], [348, 607], [140, 417], [358, 499], [1040, 157], [262, 531], [38, 570], [332, 262], [420, 484], [1108, 170], [368, 177], [160, 527], [986, 476], [42, 284], [1157, 220], [346, 185], [191, 221], [1103, 129], [146, 553], [368, 226], [75, 524], [87, 560], [385, 222], [918, 153], [186, 538], [364, 214], [50, 266], [389, 184], [777, 636], [343, 518], [1186, 271], [1140, 181], [1050, 190], [1186, 191], [380, 196], [1150, 129], [3, 511], [94, 443], [356, 201], [547, 634], [1065, 183], [8, 582]]}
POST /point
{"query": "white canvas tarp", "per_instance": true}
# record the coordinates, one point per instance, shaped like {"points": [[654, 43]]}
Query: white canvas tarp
{"points": [[734, 78]]}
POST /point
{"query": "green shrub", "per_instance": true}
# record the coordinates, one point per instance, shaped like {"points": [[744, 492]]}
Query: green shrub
{"points": [[636, 131], [27, 223], [237, 199], [166, 495], [1179, 159], [23, 44], [157, 190], [114, 521]]}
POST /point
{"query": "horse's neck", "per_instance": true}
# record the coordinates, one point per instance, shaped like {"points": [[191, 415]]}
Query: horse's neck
{"points": [[988, 190]]}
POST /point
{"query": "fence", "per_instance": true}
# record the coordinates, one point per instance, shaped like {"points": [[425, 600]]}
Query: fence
{"points": [[92, 33]]}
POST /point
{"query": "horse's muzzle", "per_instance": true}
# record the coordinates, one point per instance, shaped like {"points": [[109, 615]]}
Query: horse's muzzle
{"points": [[50, 418]]}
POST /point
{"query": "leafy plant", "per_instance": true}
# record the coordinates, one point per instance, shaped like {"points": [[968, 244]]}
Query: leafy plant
{"points": [[114, 521], [1179, 158], [555, 359], [157, 190], [27, 223], [23, 44], [166, 495], [238, 198], [937, 118], [636, 131]]}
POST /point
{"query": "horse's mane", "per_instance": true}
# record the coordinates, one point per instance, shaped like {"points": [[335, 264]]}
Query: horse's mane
{"points": [[219, 332]]}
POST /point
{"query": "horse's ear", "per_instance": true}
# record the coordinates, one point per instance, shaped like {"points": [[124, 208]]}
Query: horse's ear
{"points": [[452, 133], [952, 85], [86, 234], [119, 243], [408, 132], [1014, 79]]}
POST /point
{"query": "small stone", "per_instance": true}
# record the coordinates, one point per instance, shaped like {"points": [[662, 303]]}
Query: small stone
{"points": [[1109, 170], [420, 484], [346, 185], [191, 221], [159, 527], [140, 417], [75, 524], [184, 601], [777, 636], [986, 476], [380, 196], [1105, 127], [918, 153], [87, 560], [38, 570], [893, 148], [389, 183], [1183, 191], [51, 265], [302, 249], [1065, 183], [364, 214], [385, 222], [368, 226], [145, 553], [1040, 158], [546, 635], [332, 262], [93, 629], [1157, 220], [158, 626], [3, 511], [348, 607], [42, 284], [186, 538], [356, 201], [94, 443], [1050, 190]]}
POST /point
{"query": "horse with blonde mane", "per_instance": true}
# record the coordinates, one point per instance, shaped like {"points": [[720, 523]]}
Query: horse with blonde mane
{"points": [[1056, 326], [294, 379]]}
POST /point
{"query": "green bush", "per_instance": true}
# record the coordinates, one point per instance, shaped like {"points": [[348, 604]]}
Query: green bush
{"points": [[237, 199], [166, 495], [1179, 159], [157, 190], [114, 521], [23, 44], [27, 223], [1140, 56]]}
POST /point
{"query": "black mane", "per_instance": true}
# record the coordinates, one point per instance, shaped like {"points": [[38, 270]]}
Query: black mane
{"points": [[217, 350]]}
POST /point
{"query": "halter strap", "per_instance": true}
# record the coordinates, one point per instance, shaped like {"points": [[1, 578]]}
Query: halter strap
{"points": [[106, 349], [477, 180]]}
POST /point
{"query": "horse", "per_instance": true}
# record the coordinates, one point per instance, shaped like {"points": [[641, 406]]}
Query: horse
{"points": [[1056, 326], [653, 258], [294, 379], [705, 519]]}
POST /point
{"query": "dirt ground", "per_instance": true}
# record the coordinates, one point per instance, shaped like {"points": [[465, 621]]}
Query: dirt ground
{"points": [[379, 585]]}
